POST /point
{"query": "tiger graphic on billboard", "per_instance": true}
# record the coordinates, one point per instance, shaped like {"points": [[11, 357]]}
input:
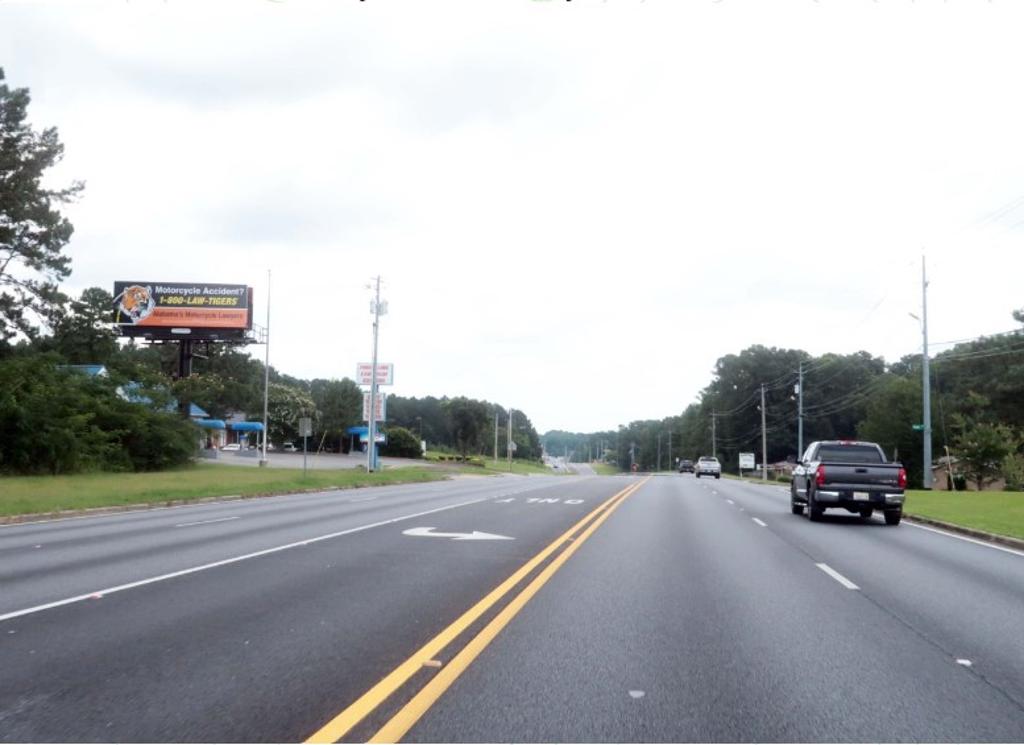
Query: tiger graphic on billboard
{"points": [[135, 302]]}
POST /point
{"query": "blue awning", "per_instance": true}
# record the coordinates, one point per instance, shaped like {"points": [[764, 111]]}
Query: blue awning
{"points": [[210, 423], [358, 431], [247, 426]]}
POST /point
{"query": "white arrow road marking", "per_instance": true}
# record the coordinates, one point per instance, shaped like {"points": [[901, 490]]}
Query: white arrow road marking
{"points": [[476, 535]]}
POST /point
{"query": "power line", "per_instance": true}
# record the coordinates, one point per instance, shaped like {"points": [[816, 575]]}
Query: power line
{"points": [[846, 396], [994, 335], [978, 355]]}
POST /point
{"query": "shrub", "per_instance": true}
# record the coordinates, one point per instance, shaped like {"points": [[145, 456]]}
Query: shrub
{"points": [[402, 444], [1013, 472], [54, 420]]}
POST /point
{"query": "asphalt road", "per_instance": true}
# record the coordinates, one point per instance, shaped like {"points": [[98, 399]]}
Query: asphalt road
{"points": [[661, 609]]}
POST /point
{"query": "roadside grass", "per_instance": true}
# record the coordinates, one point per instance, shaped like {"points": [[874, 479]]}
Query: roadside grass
{"points": [[1000, 512], [26, 495], [604, 469], [521, 467]]}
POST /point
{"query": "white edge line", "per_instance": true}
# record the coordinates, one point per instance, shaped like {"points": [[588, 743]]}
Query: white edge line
{"points": [[223, 562], [986, 544], [760, 522], [837, 576], [206, 522]]}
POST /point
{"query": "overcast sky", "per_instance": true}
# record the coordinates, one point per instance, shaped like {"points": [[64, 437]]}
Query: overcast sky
{"points": [[576, 207]]}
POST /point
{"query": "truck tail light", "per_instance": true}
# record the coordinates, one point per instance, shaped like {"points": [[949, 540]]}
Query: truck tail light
{"points": [[901, 478], [819, 476]]}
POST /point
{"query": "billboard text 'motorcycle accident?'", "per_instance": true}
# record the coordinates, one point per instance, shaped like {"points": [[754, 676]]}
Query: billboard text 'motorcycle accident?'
{"points": [[176, 304]]}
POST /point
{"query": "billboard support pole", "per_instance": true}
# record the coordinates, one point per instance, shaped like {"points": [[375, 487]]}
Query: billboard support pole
{"points": [[184, 358]]}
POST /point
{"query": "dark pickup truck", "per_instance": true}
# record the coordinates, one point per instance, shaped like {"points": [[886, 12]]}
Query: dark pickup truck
{"points": [[849, 474]]}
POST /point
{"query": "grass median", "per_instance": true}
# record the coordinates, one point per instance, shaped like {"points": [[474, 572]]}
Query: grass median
{"points": [[29, 495], [1000, 512]]}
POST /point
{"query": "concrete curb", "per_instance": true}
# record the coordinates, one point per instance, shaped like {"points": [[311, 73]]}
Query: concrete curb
{"points": [[981, 535]]}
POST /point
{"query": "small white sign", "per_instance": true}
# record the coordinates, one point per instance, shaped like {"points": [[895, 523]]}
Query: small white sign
{"points": [[385, 373], [380, 410], [747, 461]]}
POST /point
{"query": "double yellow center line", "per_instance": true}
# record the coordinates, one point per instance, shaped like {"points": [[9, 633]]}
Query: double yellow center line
{"points": [[409, 714]]}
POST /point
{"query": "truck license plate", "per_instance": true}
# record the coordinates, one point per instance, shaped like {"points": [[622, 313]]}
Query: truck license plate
{"points": [[863, 495]]}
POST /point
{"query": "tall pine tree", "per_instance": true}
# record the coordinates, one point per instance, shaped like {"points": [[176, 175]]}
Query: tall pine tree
{"points": [[33, 233]]}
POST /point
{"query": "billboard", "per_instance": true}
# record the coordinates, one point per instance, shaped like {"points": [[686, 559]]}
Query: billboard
{"points": [[182, 310]]}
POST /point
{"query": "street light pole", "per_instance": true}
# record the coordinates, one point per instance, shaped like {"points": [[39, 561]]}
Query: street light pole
{"points": [[508, 445], [266, 378], [371, 451], [926, 381]]}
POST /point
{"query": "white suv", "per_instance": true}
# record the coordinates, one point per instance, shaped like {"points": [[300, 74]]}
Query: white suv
{"points": [[708, 466]]}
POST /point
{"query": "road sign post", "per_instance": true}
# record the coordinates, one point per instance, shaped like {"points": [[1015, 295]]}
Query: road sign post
{"points": [[305, 430]]}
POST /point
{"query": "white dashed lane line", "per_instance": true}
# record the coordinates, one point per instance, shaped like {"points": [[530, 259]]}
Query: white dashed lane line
{"points": [[760, 522], [206, 522], [837, 576]]}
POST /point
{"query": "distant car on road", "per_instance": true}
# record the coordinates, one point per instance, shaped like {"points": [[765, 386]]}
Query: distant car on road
{"points": [[686, 466], [232, 446], [290, 448], [708, 466]]}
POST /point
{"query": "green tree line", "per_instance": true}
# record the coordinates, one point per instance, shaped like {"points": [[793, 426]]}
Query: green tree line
{"points": [[976, 389]]}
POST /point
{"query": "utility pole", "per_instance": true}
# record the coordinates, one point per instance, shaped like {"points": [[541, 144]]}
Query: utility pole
{"points": [[800, 412], [266, 378], [495, 436], [926, 381], [371, 451], [670, 450], [764, 440], [714, 448], [658, 467]]}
